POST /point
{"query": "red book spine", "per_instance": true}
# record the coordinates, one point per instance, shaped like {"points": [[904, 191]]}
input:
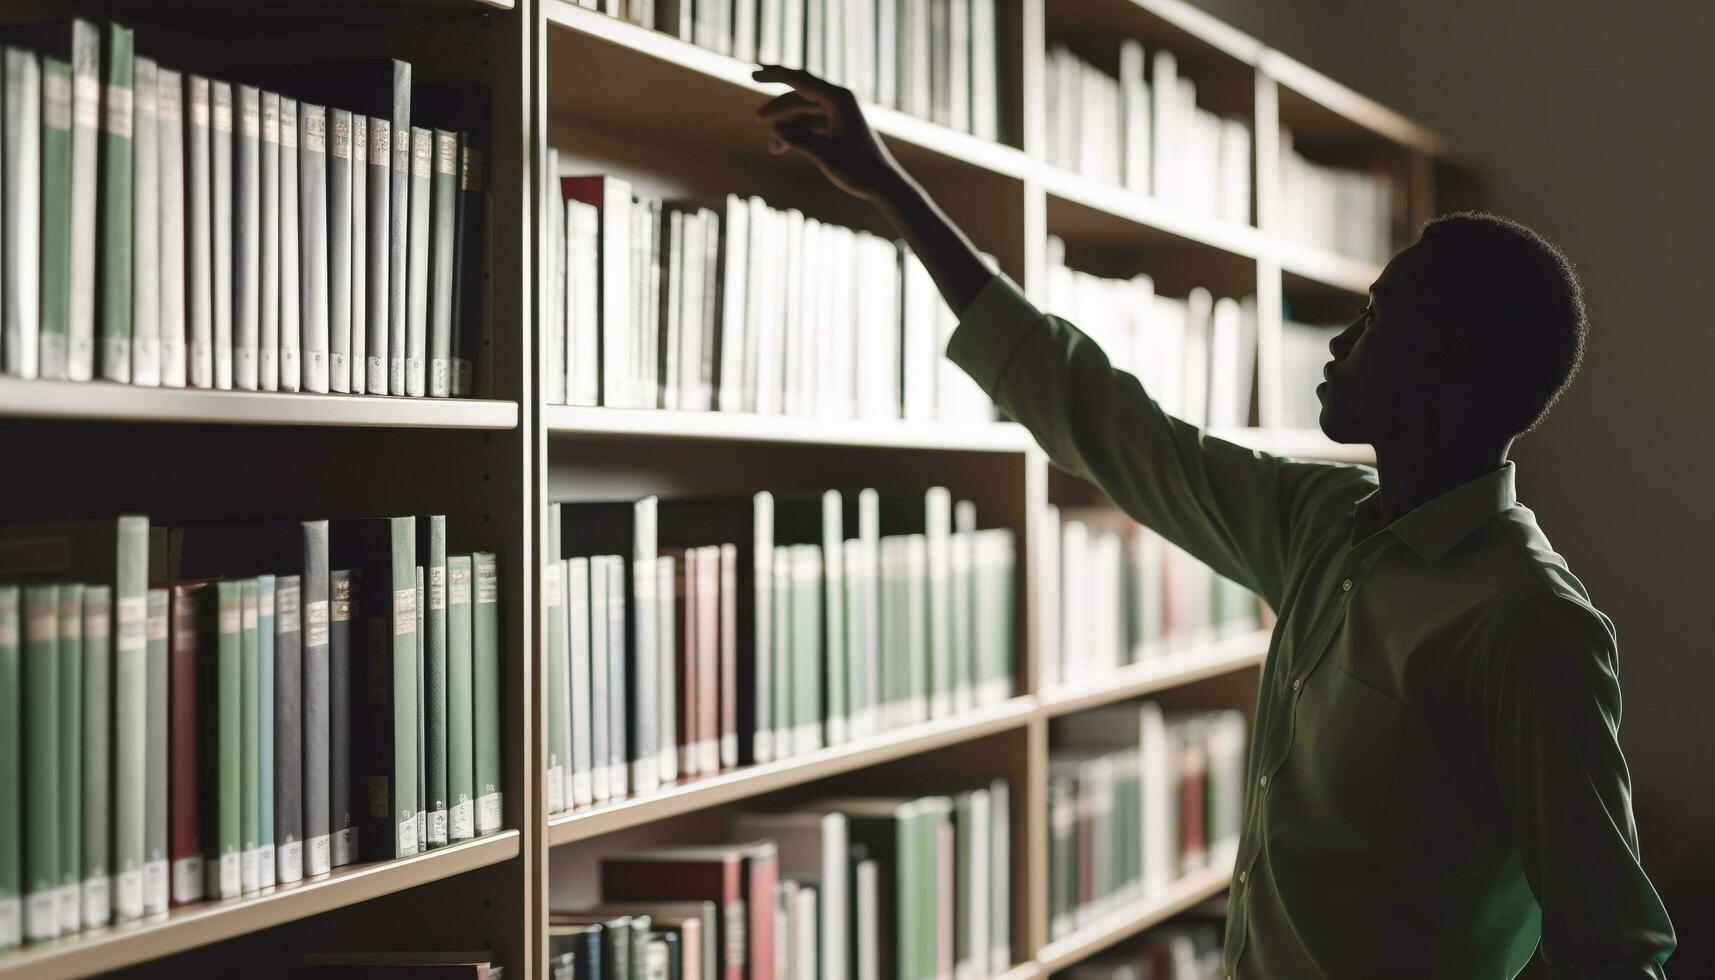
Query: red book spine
{"points": [[708, 660], [184, 845], [685, 652], [762, 872], [718, 879]]}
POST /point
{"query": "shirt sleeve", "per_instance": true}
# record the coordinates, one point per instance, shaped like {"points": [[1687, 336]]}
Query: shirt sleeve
{"points": [[1240, 511], [1551, 728]]}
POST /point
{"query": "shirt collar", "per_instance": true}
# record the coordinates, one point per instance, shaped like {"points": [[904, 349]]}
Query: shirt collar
{"points": [[1432, 529]]}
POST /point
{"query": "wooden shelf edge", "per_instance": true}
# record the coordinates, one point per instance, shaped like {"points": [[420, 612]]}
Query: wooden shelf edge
{"points": [[1138, 208], [1159, 673], [1360, 110], [1327, 268], [202, 923], [749, 781], [106, 401], [736, 427], [1125, 923]]}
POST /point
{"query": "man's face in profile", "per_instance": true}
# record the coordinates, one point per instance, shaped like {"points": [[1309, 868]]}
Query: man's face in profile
{"points": [[1379, 378]]}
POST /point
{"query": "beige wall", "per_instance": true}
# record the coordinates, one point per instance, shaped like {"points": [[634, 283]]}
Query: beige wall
{"points": [[1593, 122]]}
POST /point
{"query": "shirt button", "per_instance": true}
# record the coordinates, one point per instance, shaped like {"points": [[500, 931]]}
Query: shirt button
{"points": [[1297, 683], [1241, 877], [1263, 780], [1346, 586]]}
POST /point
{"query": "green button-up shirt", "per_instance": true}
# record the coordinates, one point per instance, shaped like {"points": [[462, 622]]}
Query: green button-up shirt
{"points": [[1435, 780]]}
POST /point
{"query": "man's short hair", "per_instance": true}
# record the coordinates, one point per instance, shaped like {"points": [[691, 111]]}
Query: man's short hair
{"points": [[1515, 300]]}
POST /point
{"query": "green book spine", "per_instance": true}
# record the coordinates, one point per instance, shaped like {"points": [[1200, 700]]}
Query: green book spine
{"points": [[461, 776], [41, 794], [146, 229], [807, 711], [99, 688], [784, 656], [265, 868], [21, 189], [444, 193], [435, 653], [485, 687], [422, 720], [114, 256], [56, 218], [157, 789], [406, 661], [123, 752], [834, 626], [249, 735], [71, 758], [11, 785], [225, 822]]}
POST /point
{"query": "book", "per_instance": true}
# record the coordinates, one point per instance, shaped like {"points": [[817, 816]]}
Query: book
{"points": [[21, 203], [716, 874], [221, 215], [11, 772], [580, 664], [157, 787], [485, 688], [422, 815], [55, 215], [667, 692], [315, 601], [461, 737], [146, 232], [600, 698], [71, 757], [113, 258], [463, 109], [189, 613], [345, 639], [96, 797], [291, 297], [86, 127], [358, 274], [443, 250], [694, 922], [170, 248], [612, 197], [41, 762], [378, 293], [313, 246], [268, 242], [417, 273], [199, 253], [557, 746], [339, 231], [267, 869], [250, 739], [222, 767], [129, 736], [432, 550], [247, 235], [288, 767]]}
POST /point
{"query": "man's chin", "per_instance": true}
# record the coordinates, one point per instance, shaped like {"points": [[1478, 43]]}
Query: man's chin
{"points": [[1339, 429]]}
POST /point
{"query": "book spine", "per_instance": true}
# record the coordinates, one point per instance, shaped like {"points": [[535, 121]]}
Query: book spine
{"points": [[342, 823], [379, 289], [72, 758], [435, 697], [11, 779], [358, 265], [314, 602], [170, 150], [146, 228], [601, 765], [288, 729], [781, 665], [56, 207], [417, 273], [577, 572], [268, 245], [184, 834], [223, 822], [485, 687], [313, 244], [100, 774], [114, 258], [422, 727], [21, 283], [199, 255], [247, 239], [557, 746], [808, 715], [643, 687], [444, 195], [85, 139], [250, 739], [406, 658], [220, 192], [470, 319], [728, 669], [666, 671], [618, 732], [398, 229], [41, 762], [267, 869], [291, 325], [461, 746], [339, 250], [156, 788], [129, 740]]}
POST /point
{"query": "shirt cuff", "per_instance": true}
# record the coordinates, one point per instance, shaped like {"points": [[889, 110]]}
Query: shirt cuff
{"points": [[991, 330]]}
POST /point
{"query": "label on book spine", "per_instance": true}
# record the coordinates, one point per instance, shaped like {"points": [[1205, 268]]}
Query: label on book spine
{"points": [[344, 846], [556, 789], [462, 825], [42, 914], [289, 862], [316, 623], [488, 813], [155, 887], [437, 828], [582, 787], [437, 587], [230, 871], [129, 889], [118, 103], [249, 870], [408, 835], [11, 921], [265, 866], [404, 611], [187, 879], [318, 858]]}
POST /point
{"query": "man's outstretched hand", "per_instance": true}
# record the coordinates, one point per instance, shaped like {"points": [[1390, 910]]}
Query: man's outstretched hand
{"points": [[824, 122]]}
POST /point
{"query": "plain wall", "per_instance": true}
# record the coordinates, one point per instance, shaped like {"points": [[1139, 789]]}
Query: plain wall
{"points": [[1593, 123]]}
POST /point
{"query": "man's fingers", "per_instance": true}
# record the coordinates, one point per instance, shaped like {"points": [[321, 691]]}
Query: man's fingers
{"points": [[805, 83], [796, 136], [788, 106]]}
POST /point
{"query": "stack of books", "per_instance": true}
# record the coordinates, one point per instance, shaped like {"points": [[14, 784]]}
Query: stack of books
{"points": [[1188, 950], [1347, 211], [1137, 124], [1303, 354], [740, 307], [317, 228], [935, 59], [906, 887], [687, 637], [1137, 799], [1196, 356], [1116, 593], [223, 731]]}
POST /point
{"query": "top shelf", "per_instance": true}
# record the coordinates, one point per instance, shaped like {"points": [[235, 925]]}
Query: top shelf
{"points": [[105, 401]]}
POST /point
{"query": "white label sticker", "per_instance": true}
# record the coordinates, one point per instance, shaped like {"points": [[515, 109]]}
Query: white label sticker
{"points": [[289, 862], [155, 887], [230, 619], [130, 893], [556, 790], [437, 828], [71, 908], [41, 915], [265, 867], [187, 879], [318, 859], [85, 101], [11, 922], [438, 587], [231, 875], [119, 111], [488, 813], [462, 823], [155, 631], [316, 623], [408, 836], [344, 846], [404, 611], [581, 788], [286, 609], [249, 871], [133, 613]]}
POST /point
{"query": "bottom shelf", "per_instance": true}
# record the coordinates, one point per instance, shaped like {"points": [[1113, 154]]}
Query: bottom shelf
{"points": [[1124, 923], [202, 923]]}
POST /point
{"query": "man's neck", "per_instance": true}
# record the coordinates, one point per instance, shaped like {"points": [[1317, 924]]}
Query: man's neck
{"points": [[1417, 469]]}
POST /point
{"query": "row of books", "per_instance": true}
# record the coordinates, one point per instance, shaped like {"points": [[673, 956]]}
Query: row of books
{"points": [[687, 637], [229, 729], [912, 888], [1196, 356], [935, 59], [1344, 210], [1140, 127], [1138, 798], [1117, 593], [1303, 354], [740, 307], [164, 228], [1188, 950]]}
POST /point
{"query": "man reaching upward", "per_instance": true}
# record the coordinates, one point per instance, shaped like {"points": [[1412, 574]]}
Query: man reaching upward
{"points": [[1436, 784]]}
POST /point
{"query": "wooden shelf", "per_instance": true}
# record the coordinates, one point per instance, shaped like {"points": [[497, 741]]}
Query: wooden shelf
{"points": [[1324, 267], [997, 437], [750, 781], [1158, 673], [199, 924], [1145, 214], [105, 401], [1136, 917], [1343, 112]]}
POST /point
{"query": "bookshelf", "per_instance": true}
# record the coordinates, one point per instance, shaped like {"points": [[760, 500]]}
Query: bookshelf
{"points": [[676, 118]]}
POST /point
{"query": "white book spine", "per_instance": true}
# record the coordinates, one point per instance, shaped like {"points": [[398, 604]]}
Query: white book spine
{"points": [[145, 227], [169, 119], [86, 114], [221, 214], [247, 241], [200, 256], [339, 183], [313, 246], [22, 209], [417, 297], [359, 220], [268, 276], [291, 328]]}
